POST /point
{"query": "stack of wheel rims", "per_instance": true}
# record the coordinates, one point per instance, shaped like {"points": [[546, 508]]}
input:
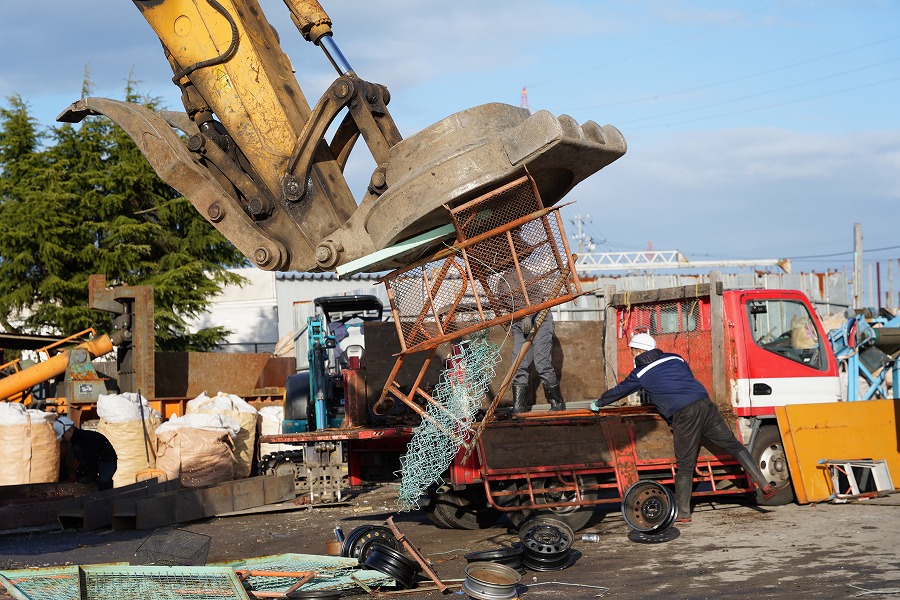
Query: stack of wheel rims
{"points": [[649, 507], [546, 544], [510, 557], [394, 563], [360, 542], [376, 547]]}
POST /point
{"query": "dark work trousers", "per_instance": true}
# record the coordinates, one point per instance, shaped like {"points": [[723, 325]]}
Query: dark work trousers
{"points": [[540, 351], [701, 419]]}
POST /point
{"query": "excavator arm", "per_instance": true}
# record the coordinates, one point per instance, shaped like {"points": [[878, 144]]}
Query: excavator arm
{"points": [[250, 153]]}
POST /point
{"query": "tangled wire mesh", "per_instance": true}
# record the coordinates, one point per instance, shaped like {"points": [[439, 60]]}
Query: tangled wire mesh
{"points": [[448, 425]]}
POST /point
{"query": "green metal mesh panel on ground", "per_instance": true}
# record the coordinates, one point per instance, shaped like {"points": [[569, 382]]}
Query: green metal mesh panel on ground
{"points": [[53, 583], [334, 572], [457, 398], [681, 326], [213, 582], [125, 583]]}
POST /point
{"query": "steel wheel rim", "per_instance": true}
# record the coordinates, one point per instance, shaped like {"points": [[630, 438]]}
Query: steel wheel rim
{"points": [[511, 557], [394, 564], [490, 581], [649, 507], [773, 463], [546, 544], [370, 534], [537, 562], [352, 538]]}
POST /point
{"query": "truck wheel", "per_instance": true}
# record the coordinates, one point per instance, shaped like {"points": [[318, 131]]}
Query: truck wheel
{"points": [[768, 452], [516, 518], [576, 517], [464, 509]]}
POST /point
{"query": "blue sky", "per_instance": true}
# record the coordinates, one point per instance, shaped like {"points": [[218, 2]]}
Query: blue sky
{"points": [[756, 129]]}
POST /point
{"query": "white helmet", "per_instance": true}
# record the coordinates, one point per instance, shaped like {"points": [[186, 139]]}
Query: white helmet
{"points": [[62, 425], [642, 341]]}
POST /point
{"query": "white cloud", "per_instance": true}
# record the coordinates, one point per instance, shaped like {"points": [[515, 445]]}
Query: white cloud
{"points": [[767, 193]]}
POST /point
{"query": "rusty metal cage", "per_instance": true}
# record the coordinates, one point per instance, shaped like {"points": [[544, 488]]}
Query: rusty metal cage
{"points": [[681, 326], [511, 259]]}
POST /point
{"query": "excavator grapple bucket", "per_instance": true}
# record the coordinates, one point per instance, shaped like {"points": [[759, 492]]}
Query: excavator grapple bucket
{"points": [[251, 154]]}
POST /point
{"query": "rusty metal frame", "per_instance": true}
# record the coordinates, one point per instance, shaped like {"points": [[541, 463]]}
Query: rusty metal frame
{"points": [[302, 578], [623, 468], [470, 273], [565, 288], [416, 554]]}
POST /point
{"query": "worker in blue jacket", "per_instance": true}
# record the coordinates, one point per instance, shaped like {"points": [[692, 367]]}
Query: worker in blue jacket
{"points": [[685, 405]]}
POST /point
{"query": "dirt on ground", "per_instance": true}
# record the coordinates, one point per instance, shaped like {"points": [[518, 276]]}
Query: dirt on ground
{"points": [[731, 549]]}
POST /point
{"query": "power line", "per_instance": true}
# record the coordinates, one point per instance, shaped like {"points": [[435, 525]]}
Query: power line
{"points": [[777, 104], [734, 79], [740, 17], [764, 93], [845, 253]]}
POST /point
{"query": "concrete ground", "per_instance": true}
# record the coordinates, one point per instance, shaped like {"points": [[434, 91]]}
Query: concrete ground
{"points": [[730, 550]]}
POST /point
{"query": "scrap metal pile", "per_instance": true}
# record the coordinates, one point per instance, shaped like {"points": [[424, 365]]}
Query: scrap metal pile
{"points": [[510, 260]]}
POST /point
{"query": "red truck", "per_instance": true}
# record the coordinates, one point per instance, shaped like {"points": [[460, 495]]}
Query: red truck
{"points": [[753, 350]]}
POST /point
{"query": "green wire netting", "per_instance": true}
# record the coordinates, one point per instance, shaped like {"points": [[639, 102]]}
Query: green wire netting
{"points": [[457, 399]]}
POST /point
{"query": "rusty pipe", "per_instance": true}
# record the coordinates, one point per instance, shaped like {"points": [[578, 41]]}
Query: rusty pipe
{"points": [[15, 385]]}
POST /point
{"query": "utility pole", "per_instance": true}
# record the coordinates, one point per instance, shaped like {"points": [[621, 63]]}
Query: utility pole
{"points": [[857, 265], [584, 240]]}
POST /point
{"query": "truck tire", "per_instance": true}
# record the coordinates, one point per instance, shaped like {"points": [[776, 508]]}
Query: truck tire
{"points": [[576, 517], [516, 517], [464, 509], [768, 452]]}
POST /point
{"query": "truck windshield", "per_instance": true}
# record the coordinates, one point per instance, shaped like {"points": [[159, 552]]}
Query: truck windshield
{"points": [[785, 327]]}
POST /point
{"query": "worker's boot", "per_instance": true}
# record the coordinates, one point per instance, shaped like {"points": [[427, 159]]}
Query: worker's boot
{"points": [[554, 397], [683, 489], [520, 398], [766, 488]]}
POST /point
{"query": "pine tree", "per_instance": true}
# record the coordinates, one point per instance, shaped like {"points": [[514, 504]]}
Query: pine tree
{"points": [[91, 203]]}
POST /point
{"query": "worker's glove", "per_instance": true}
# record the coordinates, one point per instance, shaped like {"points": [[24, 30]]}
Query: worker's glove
{"points": [[596, 406], [526, 324]]}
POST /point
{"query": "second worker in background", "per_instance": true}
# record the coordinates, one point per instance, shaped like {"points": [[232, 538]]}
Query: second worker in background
{"points": [[540, 353]]}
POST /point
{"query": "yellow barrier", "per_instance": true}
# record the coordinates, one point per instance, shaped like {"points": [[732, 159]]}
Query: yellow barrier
{"points": [[837, 431]]}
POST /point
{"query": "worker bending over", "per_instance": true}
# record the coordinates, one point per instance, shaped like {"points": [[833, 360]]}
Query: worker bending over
{"points": [[90, 456], [685, 405]]}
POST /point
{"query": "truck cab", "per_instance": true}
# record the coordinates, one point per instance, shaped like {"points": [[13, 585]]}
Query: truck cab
{"points": [[781, 352]]}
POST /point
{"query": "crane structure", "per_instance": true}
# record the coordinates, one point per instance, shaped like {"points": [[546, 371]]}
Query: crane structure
{"points": [[664, 259]]}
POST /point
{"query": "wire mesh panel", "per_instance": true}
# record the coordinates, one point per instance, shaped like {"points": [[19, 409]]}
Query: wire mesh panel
{"points": [[51, 583], [172, 546], [511, 259], [456, 400], [140, 583], [681, 326], [123, 582], [332, 572]]}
